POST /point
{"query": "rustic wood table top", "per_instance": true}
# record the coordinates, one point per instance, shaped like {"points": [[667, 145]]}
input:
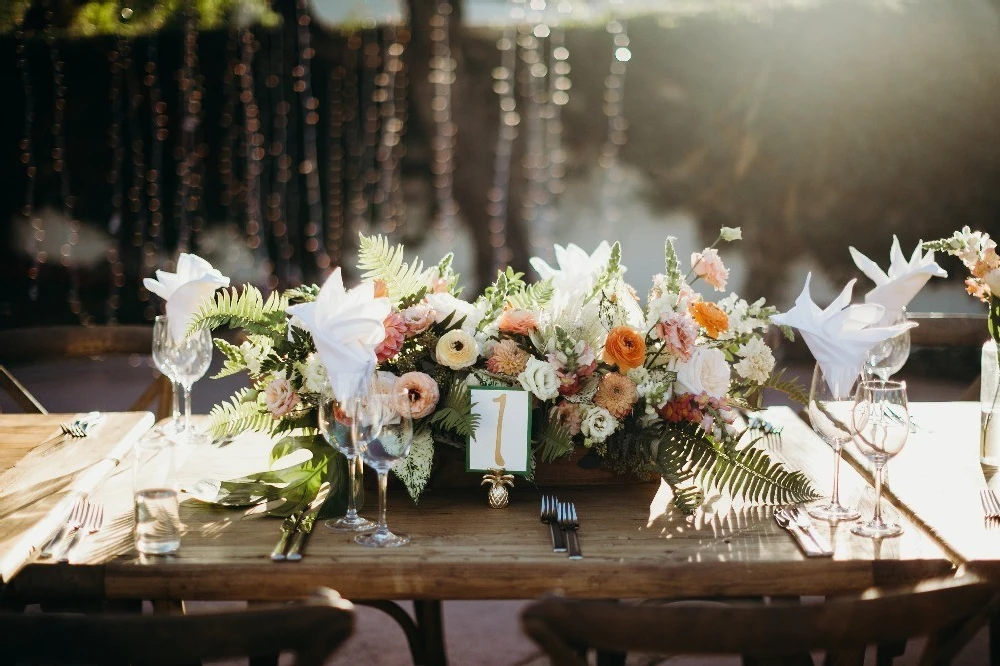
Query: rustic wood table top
{"points": [[634, 546]]}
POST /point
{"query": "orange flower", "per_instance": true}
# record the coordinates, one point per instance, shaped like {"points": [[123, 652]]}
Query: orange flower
{"points": [[381, 289], [624, 348], [617, 394], [711, 317]]}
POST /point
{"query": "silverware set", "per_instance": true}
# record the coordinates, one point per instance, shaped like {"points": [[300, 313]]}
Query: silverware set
{"points": [[764, 428], [77, 428], [297, 527], [991, 505], [563, 522], [86, 518], [798, 524]]}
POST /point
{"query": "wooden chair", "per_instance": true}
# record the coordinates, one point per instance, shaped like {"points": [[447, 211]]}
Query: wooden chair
{"points": [[312, 630], [947, 611], [34, 345]]}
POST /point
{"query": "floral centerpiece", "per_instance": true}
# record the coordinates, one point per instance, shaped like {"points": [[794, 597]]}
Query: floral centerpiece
{"points": [[643, 389]]}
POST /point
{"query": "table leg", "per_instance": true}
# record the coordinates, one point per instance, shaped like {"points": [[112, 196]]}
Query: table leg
{"points": [[431, 625]]}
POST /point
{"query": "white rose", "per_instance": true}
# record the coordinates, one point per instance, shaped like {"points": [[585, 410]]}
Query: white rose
{"points": [[706, 371], [757, 361], [313, 374], [445, 304], [457, 349], [539, 377], [598, 424]]}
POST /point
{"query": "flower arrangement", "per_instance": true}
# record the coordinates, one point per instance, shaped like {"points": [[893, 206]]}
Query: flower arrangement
{"points": [[643, 389], [979, 254]]}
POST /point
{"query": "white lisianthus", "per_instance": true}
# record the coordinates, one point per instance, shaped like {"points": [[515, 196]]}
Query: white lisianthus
{"points": [[254, 353], [457, 349], [444, 304], [598, 424], [757, 360], [539, 377], [731, 233], [706, 371], [313, 373]]}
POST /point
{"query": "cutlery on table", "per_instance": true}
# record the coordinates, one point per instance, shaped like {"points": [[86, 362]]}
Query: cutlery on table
{"points": [[549, 517], [569, 522], [763, 427], [306, 523], [75, 516], [807, 544], [801, 518], [77, 428], [287, 528], [991, 505], [85, 521]]}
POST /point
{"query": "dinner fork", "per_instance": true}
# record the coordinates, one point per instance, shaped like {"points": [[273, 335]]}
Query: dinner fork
{"points": [[93, 520], [991, 505], [549, 517], [77, 428], [808, 529], [75, 516], [770, 432], [569, 522]]}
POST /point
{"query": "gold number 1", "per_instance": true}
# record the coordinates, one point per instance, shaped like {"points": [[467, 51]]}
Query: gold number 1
{"points": [[502, 401]]}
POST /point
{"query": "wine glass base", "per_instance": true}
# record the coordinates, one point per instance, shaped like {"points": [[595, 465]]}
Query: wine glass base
{"points": [[382, 540], [877, 530], [833, 513], [357, 524], [191, 438], [170, 428]]}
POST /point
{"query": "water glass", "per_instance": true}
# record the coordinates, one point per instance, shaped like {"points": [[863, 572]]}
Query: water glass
{"points": [[184, 362], [888, 357], [393, 410], [829, 403], [337, 413], [154, 486], [880, 419]]}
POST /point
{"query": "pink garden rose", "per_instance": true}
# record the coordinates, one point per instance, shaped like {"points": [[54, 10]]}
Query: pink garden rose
{"points": [[518, 322], [395, 336], [418, 318], [679, 333], [280, 397], [709, 267]]}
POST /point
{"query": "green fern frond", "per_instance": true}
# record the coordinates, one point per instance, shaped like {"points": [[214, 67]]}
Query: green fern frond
{"points": [[240, 413], [305, 293], [234, 363], [454, 412], [247, 309], [554, 442], [382, 261], [790, 387], [533, 297]]}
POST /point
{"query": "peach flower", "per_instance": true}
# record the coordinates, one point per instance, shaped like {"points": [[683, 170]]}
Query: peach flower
{"points": [[507, 359], [381, 289], [711, 317], [709, 267], [280, 397], [617, 394], [395, 336], [424, 392], [624, 348], [568, 416], [679, 333], [418, 318], [519, 322]]}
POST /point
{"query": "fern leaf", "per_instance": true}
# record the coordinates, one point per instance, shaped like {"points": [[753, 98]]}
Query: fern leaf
{"points": [[554, 442], [381, 261], [240, 413], [234, 363], [533, 297], [454, 412], [247, 309], [790, 387]]}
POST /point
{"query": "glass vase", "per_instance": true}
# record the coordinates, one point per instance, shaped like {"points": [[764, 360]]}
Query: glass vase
{"points": [[989, 406]]}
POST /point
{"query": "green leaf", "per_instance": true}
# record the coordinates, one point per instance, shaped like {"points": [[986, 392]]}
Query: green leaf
{"points": [[234, 363], [415, 469], [790, 387], [382, 261], [247, 310], [241, 412], [454, 411], [672, 266], [611, 272], [554, 441], [533, 297]]}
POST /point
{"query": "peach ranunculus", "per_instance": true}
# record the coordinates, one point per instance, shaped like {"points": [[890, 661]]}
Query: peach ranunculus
{"points": [[624, 348], [711, 317], [424, 392], [418, 318], [709, 267], [395, 336], [519, 322], [280, 397]]}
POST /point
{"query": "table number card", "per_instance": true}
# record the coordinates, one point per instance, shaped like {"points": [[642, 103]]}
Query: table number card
{"points": [[503, 438]]}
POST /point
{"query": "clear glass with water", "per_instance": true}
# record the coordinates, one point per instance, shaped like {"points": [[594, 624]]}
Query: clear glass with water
{"points": [[989, 406], [157, 514]]}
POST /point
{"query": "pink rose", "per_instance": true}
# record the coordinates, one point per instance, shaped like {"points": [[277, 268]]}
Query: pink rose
{"points": [[280, 397], [679, 333], [708, 266], [395, 336], [519, 322], [418, 318], [424, 392]]}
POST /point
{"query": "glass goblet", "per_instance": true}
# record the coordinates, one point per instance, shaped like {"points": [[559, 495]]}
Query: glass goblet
{"points": [[338, 411], [392, 444], [888, 357], [829, 402], [881, 421], [184, 362]]}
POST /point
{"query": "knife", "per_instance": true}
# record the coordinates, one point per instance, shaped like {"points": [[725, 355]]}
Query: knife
{"points": [[809, 547], [306, 524], [287, 527]]}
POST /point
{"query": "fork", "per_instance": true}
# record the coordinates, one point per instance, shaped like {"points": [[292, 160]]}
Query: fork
{"points": [[991, 505], [549, 517], [75, 517], [800, 519], [93, 520], [770, 432], [569, 522], [77, 428]]}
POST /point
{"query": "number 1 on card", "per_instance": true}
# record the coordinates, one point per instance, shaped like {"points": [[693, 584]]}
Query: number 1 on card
{"points": [[502, 401]]}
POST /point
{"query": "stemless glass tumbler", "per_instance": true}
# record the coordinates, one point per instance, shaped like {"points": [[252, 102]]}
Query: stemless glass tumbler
{"points": [[829, 414], [154, 485]]}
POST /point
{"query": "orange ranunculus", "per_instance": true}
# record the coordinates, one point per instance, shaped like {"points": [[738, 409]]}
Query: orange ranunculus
{"points": [[711, 317], [624, 348]]}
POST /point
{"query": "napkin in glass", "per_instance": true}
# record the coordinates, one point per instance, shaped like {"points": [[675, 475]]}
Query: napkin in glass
{"points": [[895, 288], [186, 290]]}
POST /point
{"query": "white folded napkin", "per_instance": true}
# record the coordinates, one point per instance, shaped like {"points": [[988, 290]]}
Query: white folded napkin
{"points": [[346, 326], [840, 336], [186, 290], [895, 288]]}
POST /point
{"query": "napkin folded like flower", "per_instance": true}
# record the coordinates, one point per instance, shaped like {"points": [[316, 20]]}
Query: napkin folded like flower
{"points": [[840, 336], [186, 290], [346, 326], [895, 288]]}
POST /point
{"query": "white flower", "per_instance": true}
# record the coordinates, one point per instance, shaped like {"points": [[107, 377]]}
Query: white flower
{"points": [[186, 290], [574, 279], [638, 375], [992, 280], [254, 352], [314, 378], [757, 360], [706, 371], [731, 233], [456, 349], [445, 305], [539, 377], [598, 424]]}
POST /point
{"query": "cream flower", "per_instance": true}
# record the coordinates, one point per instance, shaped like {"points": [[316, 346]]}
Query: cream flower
{"points": [[757, 360], [445, 305], [731, 233], [705, 372], [254, 352], [540, 378], [598, 424], [424, 392], [709, 267], [280, 397], [314, 379], [456, 350]]}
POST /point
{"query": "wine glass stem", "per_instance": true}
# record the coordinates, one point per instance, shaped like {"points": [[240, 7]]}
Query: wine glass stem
{"points": [[187, 407], [877, 517], [175, 403], [835, 495], [352, 489], [383, 482]]}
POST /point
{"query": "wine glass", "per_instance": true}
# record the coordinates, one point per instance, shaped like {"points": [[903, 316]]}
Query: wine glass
{"points": [[888, 357], [184, 362], [881, 421], [829, 403], [338, 411], [392, 444]]}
